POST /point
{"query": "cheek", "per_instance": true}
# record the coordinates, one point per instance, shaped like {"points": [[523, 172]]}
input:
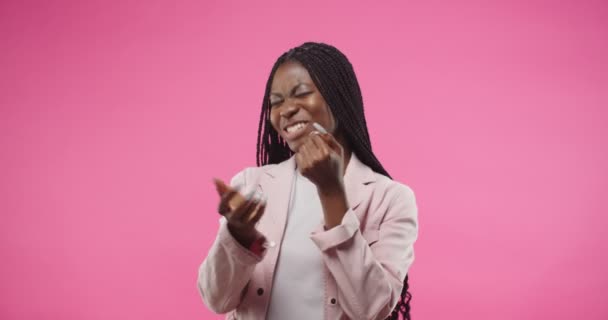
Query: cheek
{"points": [[274, 120], [333, 124], [329, 122]]}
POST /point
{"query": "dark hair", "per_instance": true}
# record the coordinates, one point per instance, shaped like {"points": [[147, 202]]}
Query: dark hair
{"points": [[335, 78]]}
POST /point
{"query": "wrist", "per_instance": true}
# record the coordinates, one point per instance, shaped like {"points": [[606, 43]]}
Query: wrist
{"points": [[245, 239], [335, 205], [332, 190]]}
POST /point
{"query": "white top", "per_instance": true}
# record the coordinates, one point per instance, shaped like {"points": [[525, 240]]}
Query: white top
{"points": [[297, 290]]}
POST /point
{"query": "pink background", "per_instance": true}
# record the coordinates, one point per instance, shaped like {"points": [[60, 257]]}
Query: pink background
{"points": [[114, 117]]}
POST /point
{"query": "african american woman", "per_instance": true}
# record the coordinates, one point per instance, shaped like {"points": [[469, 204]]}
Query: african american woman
{"points": [[318, 230]]}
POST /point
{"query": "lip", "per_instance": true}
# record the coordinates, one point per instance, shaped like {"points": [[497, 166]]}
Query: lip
{"points": [[296, 134]]}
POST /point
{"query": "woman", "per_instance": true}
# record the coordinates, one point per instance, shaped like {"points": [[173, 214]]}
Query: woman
{"points": [[331, 236]]}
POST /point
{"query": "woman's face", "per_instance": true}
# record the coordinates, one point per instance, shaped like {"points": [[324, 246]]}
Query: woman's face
{"points": [[295, 103]]}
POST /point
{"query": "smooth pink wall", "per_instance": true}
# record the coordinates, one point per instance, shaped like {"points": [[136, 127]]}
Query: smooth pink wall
{"points": [[115, 115]]}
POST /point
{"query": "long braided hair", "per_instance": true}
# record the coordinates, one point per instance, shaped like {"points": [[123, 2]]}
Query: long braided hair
{"points": [[335, 78]]}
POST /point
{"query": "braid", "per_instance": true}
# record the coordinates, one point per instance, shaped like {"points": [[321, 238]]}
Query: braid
{"points": [[335, 78]]}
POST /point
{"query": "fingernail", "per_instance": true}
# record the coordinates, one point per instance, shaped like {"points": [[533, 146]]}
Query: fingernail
{"points": [[269, 244], [319, 127], [257, 196]]}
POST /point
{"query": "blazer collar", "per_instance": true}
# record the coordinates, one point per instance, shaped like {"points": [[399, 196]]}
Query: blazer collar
{"points": [[356, 177]]}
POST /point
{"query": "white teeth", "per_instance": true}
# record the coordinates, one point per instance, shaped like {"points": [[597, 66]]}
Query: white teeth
{"points": [[295, 127]]}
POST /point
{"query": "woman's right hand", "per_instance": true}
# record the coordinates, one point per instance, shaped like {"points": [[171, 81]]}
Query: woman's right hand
{"points": [[241, 212]]}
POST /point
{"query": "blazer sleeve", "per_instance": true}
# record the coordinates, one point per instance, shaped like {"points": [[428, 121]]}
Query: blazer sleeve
{"points": [[225, 272], [370, 277]]}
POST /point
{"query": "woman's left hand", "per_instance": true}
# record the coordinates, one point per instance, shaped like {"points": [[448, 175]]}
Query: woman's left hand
{"points": [[321, 159]]}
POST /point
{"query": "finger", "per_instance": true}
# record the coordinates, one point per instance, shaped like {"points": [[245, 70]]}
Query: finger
{"points": [[224, 206], [228, 195], [223, 209], [241, 211], [314, 150], [249, 213], [256, 214], [305, 143], [319, 127], [259, 214], [331, 142], [220, 186], [304, 158], [321, 147]]}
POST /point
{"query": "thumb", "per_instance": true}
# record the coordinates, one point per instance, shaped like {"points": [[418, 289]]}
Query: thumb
{"points": [[220, 186], [328, 138]]}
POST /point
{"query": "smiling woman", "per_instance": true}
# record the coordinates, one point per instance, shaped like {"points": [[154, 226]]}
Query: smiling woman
{"points": [[318, 230], [296, 103]]}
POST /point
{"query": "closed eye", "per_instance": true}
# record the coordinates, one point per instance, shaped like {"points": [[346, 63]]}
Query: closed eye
{"points": [[278, 101], [303, 94], [274, 103]]}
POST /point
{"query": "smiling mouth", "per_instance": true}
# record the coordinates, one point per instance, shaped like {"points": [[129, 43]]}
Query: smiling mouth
{"points": [[295, 130], [296, 127]]}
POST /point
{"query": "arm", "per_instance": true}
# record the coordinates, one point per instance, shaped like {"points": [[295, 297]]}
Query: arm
{"points": [[225, 272], [371, 290]]}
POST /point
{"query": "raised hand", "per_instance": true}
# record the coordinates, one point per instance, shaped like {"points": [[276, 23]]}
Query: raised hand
{"points": [[321, 159], [241, 212]]}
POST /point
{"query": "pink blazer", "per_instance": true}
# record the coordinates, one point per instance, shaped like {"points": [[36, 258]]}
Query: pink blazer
{"points": [[366, 257]]}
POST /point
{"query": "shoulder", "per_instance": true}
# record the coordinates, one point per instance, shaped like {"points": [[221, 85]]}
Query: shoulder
{"points": [[382, 190], [393, 200], [249, 175], [393, 189]]}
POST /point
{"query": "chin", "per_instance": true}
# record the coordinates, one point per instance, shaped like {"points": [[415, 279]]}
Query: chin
{"points": [[294, 147]]}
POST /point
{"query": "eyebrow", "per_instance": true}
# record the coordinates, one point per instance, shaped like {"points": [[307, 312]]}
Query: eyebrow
{"points": [[293, 90]]}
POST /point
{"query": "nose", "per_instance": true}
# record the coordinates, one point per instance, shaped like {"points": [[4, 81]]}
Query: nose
{"points": [[289, 111]]}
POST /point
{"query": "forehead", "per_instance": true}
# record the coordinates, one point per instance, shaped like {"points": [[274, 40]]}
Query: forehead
{"points": [[290, 74]]}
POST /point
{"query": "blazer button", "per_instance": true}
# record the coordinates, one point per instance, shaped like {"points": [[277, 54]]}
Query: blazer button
{"points": [[333, 301], [260, 291]]}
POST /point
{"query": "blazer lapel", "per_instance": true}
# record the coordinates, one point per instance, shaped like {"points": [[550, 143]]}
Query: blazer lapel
{"points": [[276, 184], [356, 178]]}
